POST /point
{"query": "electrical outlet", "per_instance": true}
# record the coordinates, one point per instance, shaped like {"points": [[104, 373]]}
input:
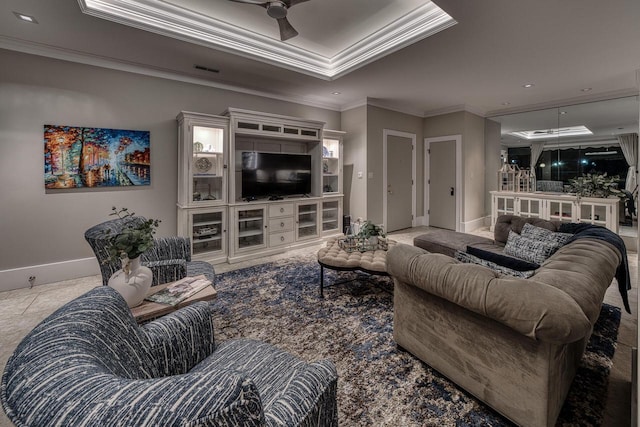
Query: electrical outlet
{"points": [[32, 280]]}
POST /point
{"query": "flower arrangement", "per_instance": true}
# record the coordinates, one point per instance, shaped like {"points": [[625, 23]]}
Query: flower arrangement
{"points": [[596, 185], [369, 229], [135, 238]]}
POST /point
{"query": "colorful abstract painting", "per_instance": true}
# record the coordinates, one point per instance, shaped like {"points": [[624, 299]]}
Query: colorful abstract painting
{"points": [[80, 157]]}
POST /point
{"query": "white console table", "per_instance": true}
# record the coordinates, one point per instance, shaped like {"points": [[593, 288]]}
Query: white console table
{"points": [[562, 207]]}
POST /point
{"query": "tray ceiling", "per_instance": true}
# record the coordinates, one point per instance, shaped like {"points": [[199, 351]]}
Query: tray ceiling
{"points": [[336, 37]]}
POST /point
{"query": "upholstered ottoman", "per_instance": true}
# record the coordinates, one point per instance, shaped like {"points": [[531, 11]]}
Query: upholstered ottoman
{"points": [[334, 257]]}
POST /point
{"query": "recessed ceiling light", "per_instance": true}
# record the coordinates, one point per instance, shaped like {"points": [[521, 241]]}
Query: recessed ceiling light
{"points": [[506, 103], [528, 85], [336, 93], [587, 89], [26, 18], [563, 112]]}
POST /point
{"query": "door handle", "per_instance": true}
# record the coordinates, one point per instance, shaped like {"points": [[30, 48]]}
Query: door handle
{"points": [[452, 191]]}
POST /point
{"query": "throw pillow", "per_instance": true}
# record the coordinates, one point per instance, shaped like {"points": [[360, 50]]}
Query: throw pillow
{"points": [[503, 260], [531, 250], [538, 233], [472, 259]]}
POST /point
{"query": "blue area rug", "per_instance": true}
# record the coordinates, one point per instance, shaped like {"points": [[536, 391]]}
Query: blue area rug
{"points": [[378, 385]]}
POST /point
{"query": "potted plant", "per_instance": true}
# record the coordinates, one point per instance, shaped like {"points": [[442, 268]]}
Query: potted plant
{"points": [[596, 185], [371, 232], [135, 237]]}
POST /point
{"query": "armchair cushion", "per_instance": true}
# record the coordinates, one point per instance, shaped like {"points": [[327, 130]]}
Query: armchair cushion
{"points": [[166, 271], [289, 388], [166, 248], [182, 339], [89, 363]]}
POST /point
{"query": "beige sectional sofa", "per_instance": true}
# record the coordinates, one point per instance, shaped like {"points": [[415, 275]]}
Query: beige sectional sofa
{"points": [[513, 343]]}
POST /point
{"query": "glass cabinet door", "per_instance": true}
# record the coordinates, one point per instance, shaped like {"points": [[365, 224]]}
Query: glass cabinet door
{"points": [[307, 219], [593, 213], [561, 211], [505, 205], [330, 166], [207, 168], [330, 216], [207, 230], [529, 207], [251, 228]]}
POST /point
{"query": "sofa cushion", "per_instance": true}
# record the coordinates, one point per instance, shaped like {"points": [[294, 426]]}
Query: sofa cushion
{"points": [[468, 258], [503, 260], [506, 223], [543, 234], [532, 250], [447, 242]]}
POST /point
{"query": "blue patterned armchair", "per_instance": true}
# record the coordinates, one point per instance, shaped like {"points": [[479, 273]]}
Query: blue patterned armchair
{"points": [[169, 259], [90, 364]]}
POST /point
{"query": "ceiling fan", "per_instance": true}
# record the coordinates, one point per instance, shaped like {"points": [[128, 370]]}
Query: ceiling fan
{"points": [[278, 11]]}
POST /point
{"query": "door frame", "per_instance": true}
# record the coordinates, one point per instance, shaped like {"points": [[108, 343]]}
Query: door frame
{"points": [[427, 175], [386, 133]]}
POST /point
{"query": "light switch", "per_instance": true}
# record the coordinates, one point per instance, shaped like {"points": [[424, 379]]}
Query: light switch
{"points": [[360, 174]]}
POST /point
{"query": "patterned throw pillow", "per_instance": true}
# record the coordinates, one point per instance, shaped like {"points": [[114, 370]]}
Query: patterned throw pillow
{"points": [[472, 259], [531, 250], [537, 233]]}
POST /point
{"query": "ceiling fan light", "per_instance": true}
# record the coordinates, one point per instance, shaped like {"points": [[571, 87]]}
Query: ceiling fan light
{"points": [[277, 9]]}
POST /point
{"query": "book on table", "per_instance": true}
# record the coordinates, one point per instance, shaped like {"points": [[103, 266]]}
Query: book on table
{"points": [[180, 290]]}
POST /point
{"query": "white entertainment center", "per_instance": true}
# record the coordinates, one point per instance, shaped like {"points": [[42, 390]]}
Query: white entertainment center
{"points": [[281, 209]]}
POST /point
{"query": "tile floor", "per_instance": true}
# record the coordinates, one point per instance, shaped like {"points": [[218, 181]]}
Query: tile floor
{"points": [[23, 309]]}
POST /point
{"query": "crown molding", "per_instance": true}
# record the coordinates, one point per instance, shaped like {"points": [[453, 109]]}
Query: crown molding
{"points": [[48, 51], [374, 102], [172, 21], [454, 109], [394, 107], [352, 105], [417, 25]]}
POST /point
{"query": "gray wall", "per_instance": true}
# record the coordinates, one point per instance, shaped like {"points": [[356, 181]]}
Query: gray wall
{"points": [[473, 167], [38, 227], [354, 123], [379, 119], [471, 128], [491, 159]]}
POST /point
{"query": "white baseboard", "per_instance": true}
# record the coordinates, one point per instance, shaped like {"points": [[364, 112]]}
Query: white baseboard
{"points": [[474, 224], [17, 278], [420, 220]]}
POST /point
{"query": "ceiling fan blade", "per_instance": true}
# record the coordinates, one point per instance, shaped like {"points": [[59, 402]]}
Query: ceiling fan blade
{"points": [[286, 30], [258, 2], [294, 2]]}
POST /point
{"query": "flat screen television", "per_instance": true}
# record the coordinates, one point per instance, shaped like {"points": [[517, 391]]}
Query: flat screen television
{"points": [[275, 174]]}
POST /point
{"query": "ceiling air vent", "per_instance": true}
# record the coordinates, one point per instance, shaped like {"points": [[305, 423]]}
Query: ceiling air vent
{"points": [[203, 68]]}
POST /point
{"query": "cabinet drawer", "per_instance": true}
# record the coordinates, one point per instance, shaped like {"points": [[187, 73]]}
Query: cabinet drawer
{"points": [[280, 209], [277, 239], [277, 225]]}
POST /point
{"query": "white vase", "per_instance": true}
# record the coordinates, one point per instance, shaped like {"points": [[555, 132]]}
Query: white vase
{"points": [[132, 281]]}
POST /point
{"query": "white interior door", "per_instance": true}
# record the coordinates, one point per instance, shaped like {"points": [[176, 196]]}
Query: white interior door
{"points": [[399, 180], [442, 184]]}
